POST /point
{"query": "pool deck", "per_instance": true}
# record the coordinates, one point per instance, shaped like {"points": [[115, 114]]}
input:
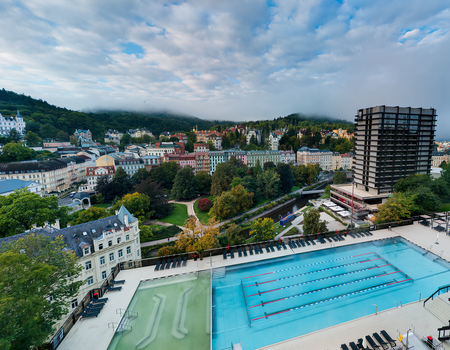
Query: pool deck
{"points": [[93, 333]]}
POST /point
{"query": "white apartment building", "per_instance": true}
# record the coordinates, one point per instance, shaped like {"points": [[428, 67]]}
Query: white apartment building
{"points": [[287, 157], [215, 157], [9, 123], [113, 136], [274, 141], [94, 173], [131, 166], [51, 174], [253, 132], [326, 160], [99, 246], [9, 186]]}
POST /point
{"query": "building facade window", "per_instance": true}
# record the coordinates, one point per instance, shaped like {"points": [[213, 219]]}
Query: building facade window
{"points": [[90, 280], [74, 303], [111, 256], [88, 265], [102, 260], [103, 275], [127, 237], [120, 253], [119, 240], [86, 251], [100, 246], [109, 243], [128, 250]]}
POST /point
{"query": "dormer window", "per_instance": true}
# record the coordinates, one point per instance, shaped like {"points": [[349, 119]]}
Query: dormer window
{"points": [[86, 251]]}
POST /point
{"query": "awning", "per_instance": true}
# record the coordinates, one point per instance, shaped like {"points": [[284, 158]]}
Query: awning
{"points": [[344, 213], [336, 208], [329, 204]]}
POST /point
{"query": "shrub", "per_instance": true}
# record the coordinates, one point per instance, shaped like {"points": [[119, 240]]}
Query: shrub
{"points": [[204, 204]]}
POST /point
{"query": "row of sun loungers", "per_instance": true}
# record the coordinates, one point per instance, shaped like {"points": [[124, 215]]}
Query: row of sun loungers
{"points": [[384, 344], [257, 249], [93, 308], [170, 263], [360, 234]]}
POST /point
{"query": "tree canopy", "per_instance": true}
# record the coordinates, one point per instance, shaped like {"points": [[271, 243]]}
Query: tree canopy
{"points": [[159, 202], [34, 269], [396, 208], [263, 229], [21, 209], [312, 223], [339, 178], [185, 184]]}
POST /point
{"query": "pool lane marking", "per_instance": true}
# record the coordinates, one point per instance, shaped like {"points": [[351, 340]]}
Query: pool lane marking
{"points": [[330, 299], [314, 271], [317, 263], [319, 279], [322, 289]]}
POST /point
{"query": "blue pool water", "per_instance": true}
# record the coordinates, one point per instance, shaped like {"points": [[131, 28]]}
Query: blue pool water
{"points": [[262, 303]]}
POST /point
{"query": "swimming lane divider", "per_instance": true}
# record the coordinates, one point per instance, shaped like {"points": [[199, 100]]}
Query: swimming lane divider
{"points": [[317, 280], [322, 289], [312, 264], [314, 271], [330, 299]]}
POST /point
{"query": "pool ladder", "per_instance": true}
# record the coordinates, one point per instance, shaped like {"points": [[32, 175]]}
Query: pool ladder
{"points": [[123, 326]]}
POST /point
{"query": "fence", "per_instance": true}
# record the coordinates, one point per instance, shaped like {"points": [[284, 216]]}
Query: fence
{"points": [[74, 317]]}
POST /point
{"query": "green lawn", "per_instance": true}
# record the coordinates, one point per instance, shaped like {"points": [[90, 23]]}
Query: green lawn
{"points": [[291, 232], [178, 216], [104, 205], [203, 216], [295, 188], [279, 228], [445, 207]]}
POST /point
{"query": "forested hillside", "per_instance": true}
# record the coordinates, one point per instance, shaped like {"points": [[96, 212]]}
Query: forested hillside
{"points": [[49, 121]]}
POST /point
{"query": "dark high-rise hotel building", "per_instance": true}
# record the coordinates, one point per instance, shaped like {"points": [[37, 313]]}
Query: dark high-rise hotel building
{"points": [[392, 143]]}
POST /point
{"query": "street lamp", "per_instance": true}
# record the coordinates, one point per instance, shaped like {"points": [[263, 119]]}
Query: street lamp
{"points": [[420, 295], [376, 309]]}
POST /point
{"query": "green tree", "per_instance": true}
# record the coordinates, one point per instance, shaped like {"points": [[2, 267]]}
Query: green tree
{"points": [[263, 229], [137, 204], [269, 183], [225, 206], [21, 209], [14, 136], [73, 140], [233, 234], [312, 223], [396, 208], [412, 182], [211, 146], [236, 181], [221, 178], [90, 214], [185, 184], [33, 139], [165, 174], [125, 141], [244, 200], [327, 191], [339, 178], [105, 187], [159, 202], [203, 180], [16, 152], [121, 182], [424, 200], [140, 175], [286, 177], [145, 233], [32, 270], [62, 136]]}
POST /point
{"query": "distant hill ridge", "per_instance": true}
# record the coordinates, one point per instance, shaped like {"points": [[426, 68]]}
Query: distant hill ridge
{"points": [[50, 121]]}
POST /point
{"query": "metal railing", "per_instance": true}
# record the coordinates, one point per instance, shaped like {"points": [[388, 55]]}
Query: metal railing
{"points": [[440, 289]]}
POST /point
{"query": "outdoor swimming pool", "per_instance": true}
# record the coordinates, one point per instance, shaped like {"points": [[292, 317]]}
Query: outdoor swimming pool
{"points": [[265, 302], [167, 313]]}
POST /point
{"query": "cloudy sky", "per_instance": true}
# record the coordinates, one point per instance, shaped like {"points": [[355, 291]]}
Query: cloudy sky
{"points": [[233, 59]]}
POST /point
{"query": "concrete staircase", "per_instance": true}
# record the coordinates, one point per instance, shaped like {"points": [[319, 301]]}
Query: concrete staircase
{"points": [[440, 308]]}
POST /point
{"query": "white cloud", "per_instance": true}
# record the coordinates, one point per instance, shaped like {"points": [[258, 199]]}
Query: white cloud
{"points": [[305, 56]]}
